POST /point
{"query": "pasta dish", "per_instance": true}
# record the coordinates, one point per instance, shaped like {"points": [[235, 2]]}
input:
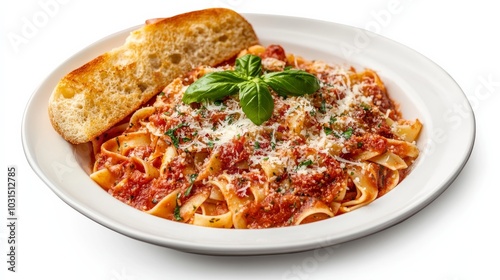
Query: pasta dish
{"points": [[206, 163]]}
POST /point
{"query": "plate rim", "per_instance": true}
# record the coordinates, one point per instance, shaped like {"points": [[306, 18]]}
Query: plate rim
{"points": [[254, 248]]}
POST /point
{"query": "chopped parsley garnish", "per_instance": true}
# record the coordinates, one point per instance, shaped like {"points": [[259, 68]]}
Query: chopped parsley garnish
{"points": [[214, 220], [210, 144], [192, 178], [348, 133], [365, 106], [171, 133], [305, 163], [256, 145], [177, 209], [327, 130], [322, 109]]}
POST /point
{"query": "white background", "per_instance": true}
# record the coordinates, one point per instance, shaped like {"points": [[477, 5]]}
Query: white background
{"points": [[455, 237]]}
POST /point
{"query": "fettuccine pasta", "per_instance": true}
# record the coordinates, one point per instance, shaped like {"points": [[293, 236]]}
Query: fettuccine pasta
{"points": [[318, 156]]}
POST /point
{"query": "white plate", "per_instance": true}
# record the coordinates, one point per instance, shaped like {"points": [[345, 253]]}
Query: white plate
{"points": [[422, 88]]}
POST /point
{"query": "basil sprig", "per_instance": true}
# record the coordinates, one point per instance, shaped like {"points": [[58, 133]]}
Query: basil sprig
{"points": [[253, 87]]}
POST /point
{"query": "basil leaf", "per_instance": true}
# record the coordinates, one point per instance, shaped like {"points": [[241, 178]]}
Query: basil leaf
{"points": [[249, 66], [213, 86], [256, 101], [292, 82], [254, 88]]}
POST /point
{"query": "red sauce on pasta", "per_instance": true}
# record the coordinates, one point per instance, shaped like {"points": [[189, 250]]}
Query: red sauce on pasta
{"points": [[318, 156]]}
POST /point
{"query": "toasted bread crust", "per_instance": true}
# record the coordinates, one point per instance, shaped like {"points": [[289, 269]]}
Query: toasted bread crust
{"points": [[91, 99]]}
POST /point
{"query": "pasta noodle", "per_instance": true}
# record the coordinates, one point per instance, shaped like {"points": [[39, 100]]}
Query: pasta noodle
{"points": [[318, 156]]}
